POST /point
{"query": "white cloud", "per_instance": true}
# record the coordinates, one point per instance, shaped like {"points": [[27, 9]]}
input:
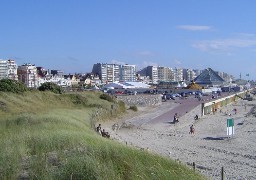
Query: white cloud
{"points": [[225, 45], [194, 27]]}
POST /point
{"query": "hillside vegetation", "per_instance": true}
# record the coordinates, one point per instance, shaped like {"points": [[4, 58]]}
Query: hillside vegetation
{"points": [[51, 136]]}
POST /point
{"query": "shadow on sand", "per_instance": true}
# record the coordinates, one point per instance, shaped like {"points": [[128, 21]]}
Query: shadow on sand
{"points": [[171, 122], [215, 138]]}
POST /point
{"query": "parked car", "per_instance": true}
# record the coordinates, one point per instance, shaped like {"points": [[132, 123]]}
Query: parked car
{"points": [[128, 92], [176, 95], [119, 92], [183, 94], [169, 96]]}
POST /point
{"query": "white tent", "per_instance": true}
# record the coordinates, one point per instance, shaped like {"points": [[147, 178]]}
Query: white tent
{"points": [[112, 86], [183, 84], [125, 85], [178, 85]]}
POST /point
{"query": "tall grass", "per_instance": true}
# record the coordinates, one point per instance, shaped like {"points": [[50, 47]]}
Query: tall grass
{"points": [[49, 136]]}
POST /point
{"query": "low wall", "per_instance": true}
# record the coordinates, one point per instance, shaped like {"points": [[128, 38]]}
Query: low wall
{"points": [[210, 107], [141, 99]]}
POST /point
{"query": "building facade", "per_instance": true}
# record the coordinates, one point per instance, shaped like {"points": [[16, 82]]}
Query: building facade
{"points": [[8, 69], [164, 73], [152, 72], [127, 72], [107, 72], [27, 73], [178, 74], [188, 75]]}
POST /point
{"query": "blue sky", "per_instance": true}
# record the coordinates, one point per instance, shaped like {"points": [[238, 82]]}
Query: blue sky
{"points": [[73, 35]]}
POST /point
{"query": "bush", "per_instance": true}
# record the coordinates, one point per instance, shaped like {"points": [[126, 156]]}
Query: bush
{"points": [[8, 85], [107, 97], [49, 86], [78, 99], [134, 108]]}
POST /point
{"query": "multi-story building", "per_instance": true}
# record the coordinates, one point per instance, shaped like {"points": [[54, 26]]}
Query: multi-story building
{"points": [[57, 73], [188, 74], [27, 73], [197, 72], [8, 69], [127, 72], [152, 73], [225, 76], [178, 74], [164, 73], [107, 72], [172, 75]]}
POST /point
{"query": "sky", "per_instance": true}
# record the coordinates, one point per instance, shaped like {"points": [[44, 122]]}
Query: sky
{"points": [[73, 35]]}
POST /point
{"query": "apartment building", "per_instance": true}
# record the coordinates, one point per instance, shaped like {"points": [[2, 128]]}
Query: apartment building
{"points": [[107, 72], [152, 72], [188, 75], [8, 69], [178, 74], [127, 72], [164, 73], [27, 73], [226, 77]]}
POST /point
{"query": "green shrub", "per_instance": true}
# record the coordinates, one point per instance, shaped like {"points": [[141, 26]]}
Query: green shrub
{"points": [[121, 106], [134, 108], [78, 99], [49, 86], [8, 85], [107, 97]]}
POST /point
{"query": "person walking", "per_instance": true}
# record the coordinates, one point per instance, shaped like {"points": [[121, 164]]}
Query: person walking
{"points": [[175, 118], [192, 129], [98, 129]]}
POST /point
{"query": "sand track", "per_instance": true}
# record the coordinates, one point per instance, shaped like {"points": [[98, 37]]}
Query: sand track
{"points": [[210, 148]]}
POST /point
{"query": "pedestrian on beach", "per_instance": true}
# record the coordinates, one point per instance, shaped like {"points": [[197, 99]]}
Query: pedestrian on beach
{"points": [[192, 129], [175, 118], [98, 129]]}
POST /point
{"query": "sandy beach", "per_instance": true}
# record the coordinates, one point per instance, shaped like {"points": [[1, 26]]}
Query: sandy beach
{"points": [[209, 148]]}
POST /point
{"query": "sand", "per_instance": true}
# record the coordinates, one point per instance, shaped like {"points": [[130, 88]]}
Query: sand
{"points": [[209, 148]]}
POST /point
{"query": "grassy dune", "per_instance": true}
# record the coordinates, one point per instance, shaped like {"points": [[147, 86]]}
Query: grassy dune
{"points": [[49, 136]]}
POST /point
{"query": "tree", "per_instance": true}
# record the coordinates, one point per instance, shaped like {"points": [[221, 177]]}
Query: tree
{"points": [[9, 85], [49, 86]]}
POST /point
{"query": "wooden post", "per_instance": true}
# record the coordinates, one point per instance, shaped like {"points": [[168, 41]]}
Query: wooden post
{"points": [[222, 173], [194, 166]]}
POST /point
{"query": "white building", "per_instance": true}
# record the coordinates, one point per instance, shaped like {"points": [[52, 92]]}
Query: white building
{"points": [[152, 72], [107, 72], [27, 73], [8, 69], [178, 74], [188, 75], [164, 73], [127, 72]]}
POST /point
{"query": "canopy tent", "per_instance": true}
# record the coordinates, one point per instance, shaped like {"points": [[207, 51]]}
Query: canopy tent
{"points": [[125, 85], [113, 86], [183, 84]]}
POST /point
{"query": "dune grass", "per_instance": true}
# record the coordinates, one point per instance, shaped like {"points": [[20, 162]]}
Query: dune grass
{"points": [[49, 136]]}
